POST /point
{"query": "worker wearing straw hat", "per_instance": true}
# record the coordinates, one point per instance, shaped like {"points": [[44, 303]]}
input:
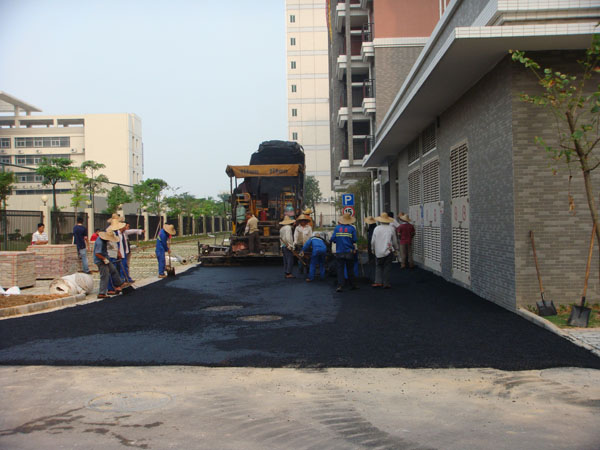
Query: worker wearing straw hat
{"points": [[307, 212], [287, 246], [108, 271], [318, 248], [344, 237], [406, 230], [302, 233], [384, 244], [113, 251], [163, 244]]}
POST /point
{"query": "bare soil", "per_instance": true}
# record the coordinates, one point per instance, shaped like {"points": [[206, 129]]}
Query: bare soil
{"points": [[18, 300]]}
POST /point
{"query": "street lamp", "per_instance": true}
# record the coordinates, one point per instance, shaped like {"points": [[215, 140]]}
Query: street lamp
{"points": [[44, 199]]}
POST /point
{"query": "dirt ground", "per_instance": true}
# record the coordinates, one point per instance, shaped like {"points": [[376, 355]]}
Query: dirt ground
{"points": [[17, 300]]}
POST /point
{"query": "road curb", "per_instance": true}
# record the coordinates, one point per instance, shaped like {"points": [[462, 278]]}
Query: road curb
{"points": [[41, 306], [539, 321]]}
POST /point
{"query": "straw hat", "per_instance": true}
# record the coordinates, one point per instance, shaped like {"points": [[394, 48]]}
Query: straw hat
{"points": [[115, 225], [404, 218], [170, 229], [384, 218], [287, 221], [369, 220], [302, 217], [106, 236], [115, 216], [307, 211], [346, 219]]}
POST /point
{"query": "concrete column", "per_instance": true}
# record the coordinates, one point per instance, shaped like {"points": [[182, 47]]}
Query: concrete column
{"points": [[349, 123], [146, 225], [213, 223], [90, 221], [47, 220], [180, 220], [193, 224], [164, 218], [121, 213], [204, 224]]}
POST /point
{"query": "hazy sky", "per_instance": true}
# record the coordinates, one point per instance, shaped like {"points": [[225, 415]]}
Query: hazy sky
{"points": [[207, 78]]}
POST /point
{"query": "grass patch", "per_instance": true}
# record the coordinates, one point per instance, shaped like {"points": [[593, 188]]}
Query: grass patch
{"points": [[564, 311]]}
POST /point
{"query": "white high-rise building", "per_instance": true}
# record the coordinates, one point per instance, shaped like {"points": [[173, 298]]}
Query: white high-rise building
{"points": [[308, 93]]}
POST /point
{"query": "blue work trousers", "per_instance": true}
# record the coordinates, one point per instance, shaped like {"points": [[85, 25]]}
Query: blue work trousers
{"points": [[124, 270], [316, 258], [160, 255]]}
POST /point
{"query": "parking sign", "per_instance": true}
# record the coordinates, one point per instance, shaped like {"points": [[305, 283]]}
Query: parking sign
{"points": [[347, 199]]}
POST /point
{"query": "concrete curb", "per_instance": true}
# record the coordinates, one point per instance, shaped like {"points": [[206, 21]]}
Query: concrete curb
{"points": [[541, 322], [40, 306]]}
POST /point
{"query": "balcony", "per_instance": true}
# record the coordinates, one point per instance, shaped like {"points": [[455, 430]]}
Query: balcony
{"points": [[368, 100], [367, 49], [358, 15]]}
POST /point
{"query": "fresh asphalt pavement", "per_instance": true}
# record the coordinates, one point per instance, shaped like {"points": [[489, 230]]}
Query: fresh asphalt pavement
{"points": [[198, 317], [426, 365]]}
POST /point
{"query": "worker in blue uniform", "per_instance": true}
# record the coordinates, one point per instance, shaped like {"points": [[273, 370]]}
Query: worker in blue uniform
{"points": [[317, 257], [163, 243], [344, 237]]}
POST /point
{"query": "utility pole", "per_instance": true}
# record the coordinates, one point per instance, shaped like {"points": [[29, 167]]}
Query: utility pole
{"points": [[349, 84]]}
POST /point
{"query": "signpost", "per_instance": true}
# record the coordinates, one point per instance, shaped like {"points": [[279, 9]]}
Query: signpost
{"points": [[347, 199]]}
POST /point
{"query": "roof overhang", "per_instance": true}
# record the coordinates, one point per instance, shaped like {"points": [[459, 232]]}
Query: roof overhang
{"points": [[467, 55], [8, 104]]}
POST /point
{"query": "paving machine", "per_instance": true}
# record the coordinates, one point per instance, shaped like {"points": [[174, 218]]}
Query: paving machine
{"points": [[272, 188]]}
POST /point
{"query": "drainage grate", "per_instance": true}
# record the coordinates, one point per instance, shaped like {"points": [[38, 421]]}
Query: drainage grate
{"points": [[223, 308], [129, 401], [260, 318]]}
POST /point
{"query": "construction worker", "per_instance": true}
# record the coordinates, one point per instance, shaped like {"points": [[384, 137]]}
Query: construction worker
{"points": [[252, 232], [163, 245], [344, 237], [307, 212], [286, 240], [318, 248], [302, 233], [385, 245]]}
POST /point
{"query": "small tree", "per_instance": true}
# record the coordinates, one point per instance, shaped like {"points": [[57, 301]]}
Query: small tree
{"points": [[54, 170], [312, 193], [150, 194], [577, 115], [117, 196], [78, 189]]}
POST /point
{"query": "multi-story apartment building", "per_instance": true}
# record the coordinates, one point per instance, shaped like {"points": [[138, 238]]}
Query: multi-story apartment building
{"points": [[384, 39], [308, 93], [114, 140], [456, 149]]}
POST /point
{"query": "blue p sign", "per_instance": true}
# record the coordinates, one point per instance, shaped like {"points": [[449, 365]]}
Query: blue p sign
{"points": [[347, 199]]}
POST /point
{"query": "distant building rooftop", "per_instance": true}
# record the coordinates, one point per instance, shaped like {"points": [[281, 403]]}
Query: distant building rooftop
{"points": [[10, 104]]}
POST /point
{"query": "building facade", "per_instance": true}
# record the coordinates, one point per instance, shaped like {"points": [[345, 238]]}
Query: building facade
{"points": [[114, 140], [460, 149], [385, 38], [308, 93]]}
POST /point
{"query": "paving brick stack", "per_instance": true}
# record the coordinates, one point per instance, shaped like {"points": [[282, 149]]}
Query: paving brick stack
{"points": [[53, 261], [17, 269]]}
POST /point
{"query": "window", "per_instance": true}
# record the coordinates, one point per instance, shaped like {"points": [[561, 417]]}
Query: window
{"points": [[4, 142], [31, 142], [294, 112], [292, 18], [293, 41], [5, 159], [294, 136], [293, 64], [293, 88]]}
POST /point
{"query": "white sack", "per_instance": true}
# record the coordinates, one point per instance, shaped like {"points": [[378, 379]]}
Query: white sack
{"points": [[13, 291], [77, 283]]}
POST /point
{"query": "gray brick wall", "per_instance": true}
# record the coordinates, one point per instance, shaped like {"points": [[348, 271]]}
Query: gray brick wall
{"points": [[392, 65], [541, 202]]}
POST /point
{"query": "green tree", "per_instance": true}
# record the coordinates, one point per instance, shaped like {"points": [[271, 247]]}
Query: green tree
{"points": [[54, 170], [78, 189], [312, 193], [576, 109], [94, 183], [117, 196], [150, 195], [225, 198]]}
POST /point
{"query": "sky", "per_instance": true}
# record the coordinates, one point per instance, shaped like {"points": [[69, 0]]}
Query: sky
{"points": [[207, 78]]}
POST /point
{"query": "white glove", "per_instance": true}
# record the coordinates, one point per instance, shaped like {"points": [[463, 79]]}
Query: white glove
{"points": [[106, 261]]}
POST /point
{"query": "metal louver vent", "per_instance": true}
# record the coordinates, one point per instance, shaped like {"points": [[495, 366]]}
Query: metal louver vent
{"points": [[431, 182], [418, 243], [429, 141], [413, 151], [414, 188], [432, 244], [461, 240], [460, 173]]}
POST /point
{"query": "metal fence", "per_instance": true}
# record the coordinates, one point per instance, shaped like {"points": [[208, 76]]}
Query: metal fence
{"points": [[153, 224], [17, 228], [62, 226]]}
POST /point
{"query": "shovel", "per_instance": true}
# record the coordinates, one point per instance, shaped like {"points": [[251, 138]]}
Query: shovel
{"points": [[170, 268], [580, 315], [544, 308], [300, 258]]}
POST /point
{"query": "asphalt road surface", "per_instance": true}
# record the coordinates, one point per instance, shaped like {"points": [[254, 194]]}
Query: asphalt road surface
{"points": [[197, 319]]}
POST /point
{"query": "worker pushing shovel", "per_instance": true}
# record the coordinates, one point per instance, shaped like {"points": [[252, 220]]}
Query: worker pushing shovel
{"points": [[163, 248]]}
